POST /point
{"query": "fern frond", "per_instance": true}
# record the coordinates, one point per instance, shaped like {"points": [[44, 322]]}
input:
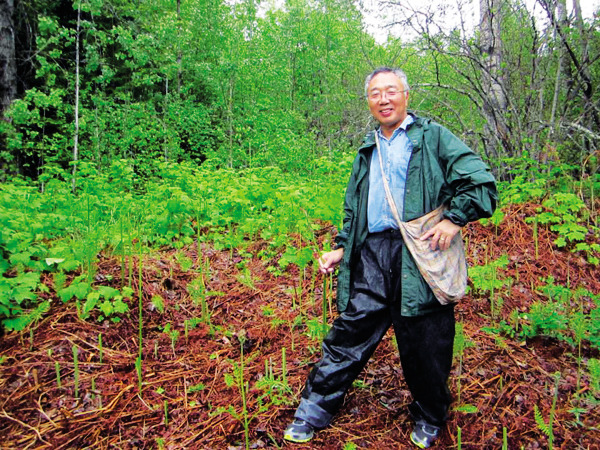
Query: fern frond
{"points": [[541, 423]]}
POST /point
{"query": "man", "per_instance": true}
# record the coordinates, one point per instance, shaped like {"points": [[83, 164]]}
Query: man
{"points": [[379, 283]]}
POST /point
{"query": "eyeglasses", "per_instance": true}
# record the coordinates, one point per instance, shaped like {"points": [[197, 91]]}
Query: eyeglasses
{"points": [[389, 93]]}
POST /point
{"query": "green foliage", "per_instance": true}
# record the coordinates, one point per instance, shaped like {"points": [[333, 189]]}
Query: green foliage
{"points": [[467, 408], [567, 214], [109, 301], [541, 423], [197, 387], [161, 83], [23, 320], [461, 342], [547, 427], [314, 329], [275, 389], [78, 289], [158, 303], [544, 319], [560, 315], [301, 257], [18, 292], [594, 370], [180, 204], [495, 220], [487, 279], [521, 190], [172, 334]]}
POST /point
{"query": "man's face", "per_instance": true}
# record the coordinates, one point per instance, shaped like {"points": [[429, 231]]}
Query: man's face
{"points": [[387, 101]]}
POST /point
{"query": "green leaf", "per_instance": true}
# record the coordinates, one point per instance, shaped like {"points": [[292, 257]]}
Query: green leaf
{"points": [[127, 292], [51, 261], [467, 408], [4, 265], [90, 303], [29, 279], [560, 242], [120, 306], [21, 294], [107, 292], [106, 307], [70, 265], [541, 423], [158, 302], [20, 258], [197, 387], [76, 289], [16, 323], [229, 380]]}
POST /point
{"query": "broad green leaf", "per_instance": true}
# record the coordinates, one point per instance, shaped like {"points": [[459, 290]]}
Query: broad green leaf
{"points": [[21, 258], [76, 289], [106, 307], [90, 303], [16, 323], [120, 306], [51, 261], [108, 292]]}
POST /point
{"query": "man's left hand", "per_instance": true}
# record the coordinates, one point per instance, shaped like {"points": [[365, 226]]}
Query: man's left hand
{"points": [[441, 235]]}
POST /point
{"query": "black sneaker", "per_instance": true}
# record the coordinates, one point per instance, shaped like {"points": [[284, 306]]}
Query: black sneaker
{"points": [[299, 431], [424, 434]]}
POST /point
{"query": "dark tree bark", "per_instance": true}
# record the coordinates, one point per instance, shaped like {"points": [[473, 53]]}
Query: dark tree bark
{"points": [[8, 66]]}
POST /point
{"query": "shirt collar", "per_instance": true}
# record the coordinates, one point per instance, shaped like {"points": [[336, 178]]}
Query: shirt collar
{"points": [[409, 119]]}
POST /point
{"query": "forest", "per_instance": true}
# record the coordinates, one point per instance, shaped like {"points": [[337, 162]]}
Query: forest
{"points": [[172, 170]]}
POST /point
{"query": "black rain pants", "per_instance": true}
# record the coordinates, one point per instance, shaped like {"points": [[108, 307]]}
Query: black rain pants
{"points": [[424, 342]]}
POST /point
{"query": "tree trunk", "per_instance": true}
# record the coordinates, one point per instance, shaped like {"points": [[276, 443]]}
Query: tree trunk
{"points": [[561, 11], [585, 58], [76, 134], [592, 116], [495, 102], [178, 47], [8, 66]]}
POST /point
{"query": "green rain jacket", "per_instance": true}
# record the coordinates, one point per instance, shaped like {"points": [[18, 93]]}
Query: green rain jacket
{"points": [[442, 170]]}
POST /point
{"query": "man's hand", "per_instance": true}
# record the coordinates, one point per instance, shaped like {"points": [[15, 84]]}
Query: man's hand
{"points": [[441, 235], [329, 260]]}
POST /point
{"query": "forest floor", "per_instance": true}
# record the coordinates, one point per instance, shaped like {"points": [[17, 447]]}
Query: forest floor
{"points": [[191, 394]]}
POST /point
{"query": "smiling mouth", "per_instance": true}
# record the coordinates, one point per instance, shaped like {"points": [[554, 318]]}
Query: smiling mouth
{"points": [[386, 111]]}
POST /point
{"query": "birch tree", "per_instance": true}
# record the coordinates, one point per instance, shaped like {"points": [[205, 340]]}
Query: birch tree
{"points": [[492, 76], [76, 133]]}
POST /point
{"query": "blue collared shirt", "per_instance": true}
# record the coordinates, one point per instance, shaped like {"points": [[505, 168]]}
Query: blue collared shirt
{"points": [[395, 153]]}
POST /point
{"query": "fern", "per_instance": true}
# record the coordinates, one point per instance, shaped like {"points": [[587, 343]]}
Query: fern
{"points": [[594, 369], [541, 423], [547, 428]]}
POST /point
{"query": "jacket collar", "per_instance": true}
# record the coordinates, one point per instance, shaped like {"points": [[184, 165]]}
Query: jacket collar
{"points": [[369, 139]]}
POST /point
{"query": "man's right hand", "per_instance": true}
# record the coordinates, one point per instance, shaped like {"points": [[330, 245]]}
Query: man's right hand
{"points": [[329, 260]]}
